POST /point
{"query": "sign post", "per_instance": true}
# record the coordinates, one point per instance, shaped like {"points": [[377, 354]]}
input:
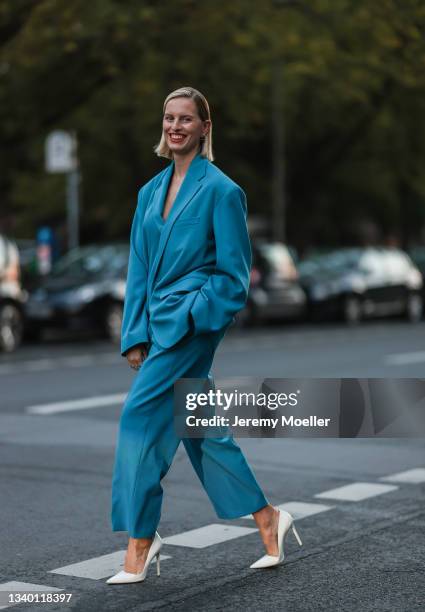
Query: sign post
{"points": [[61, 157]]}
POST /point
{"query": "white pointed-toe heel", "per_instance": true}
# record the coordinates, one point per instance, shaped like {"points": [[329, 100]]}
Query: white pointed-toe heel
{"points": [[124, 577], [286, 522]]}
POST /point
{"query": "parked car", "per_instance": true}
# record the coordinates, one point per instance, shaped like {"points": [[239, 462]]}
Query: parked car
{"points": [[85, 289], [274, 291], [417, 255], [12, 296], [356, 283]]}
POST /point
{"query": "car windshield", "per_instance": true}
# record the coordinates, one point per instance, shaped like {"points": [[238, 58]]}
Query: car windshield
{"points": [[278, 259], [331, 262], [91, 261]]}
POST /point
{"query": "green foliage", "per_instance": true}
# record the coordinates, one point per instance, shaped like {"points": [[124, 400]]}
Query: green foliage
{"points": [[353, 104]]}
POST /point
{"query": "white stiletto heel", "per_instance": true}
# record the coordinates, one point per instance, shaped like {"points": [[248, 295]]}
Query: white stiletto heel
{"points": [[296, 534], [124, 577], [286, 522]]}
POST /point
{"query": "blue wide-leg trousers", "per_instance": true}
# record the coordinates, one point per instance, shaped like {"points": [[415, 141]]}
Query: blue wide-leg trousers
{"points": [[147, 443]]}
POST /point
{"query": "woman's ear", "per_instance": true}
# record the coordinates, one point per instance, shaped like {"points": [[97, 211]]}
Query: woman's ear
{"points": [[207, 126]]}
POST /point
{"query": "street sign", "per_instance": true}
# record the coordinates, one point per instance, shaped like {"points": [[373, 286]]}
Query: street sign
{"points": [[61, 157], [60, 152]]}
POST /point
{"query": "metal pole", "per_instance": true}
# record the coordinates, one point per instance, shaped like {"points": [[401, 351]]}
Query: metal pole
{"points": [[278, 151], [72, 205]]}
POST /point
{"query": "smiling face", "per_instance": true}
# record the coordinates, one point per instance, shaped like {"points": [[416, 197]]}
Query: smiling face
{"points": [[182, 126]]}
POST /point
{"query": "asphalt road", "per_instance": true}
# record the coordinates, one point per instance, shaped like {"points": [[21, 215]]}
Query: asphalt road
{"points": [[358, 503]]}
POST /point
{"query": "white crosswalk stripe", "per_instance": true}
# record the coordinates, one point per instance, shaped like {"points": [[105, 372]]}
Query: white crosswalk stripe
{"points": [[357, 491], [78, 404], [103, 566], [97, 567], [72, 361], [398, 359], [208, 535], [299, 510], [414, 476]]}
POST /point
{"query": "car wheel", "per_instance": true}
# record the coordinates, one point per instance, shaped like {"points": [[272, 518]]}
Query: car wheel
{"points": [[352, 310], [414, 307], [113, 322], [11, 327]]}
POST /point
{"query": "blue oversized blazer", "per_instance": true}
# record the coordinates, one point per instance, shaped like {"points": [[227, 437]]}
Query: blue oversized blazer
{"points": [[197, 277]]}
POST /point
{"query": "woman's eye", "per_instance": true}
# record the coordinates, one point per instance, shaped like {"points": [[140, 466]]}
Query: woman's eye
{"points": [[171, 119]]}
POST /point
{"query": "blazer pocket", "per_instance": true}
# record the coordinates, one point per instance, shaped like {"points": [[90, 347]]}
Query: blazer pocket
{"points": [[188, 221], [184, 285]]}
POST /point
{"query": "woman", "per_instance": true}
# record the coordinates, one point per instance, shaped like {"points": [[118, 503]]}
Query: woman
{"points": [[188, 275]]}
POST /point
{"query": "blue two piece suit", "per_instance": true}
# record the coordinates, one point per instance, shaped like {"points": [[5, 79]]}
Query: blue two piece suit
{"points": [[187, 278]]}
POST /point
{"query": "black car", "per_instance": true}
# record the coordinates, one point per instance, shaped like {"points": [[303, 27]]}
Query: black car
{"points": [[356, 283], [274, 291], [85, 289], [12, 296]]}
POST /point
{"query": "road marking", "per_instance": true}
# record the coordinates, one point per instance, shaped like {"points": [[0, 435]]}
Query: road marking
{"points": [[358, 491], [15, 586], [245, 344], [208, 535], [405, 358], [73, 361], [79, 404], [113, 358], [79, 360], [299, 510], [86, 403], [414, 476], [35, 366], [97, 567]]}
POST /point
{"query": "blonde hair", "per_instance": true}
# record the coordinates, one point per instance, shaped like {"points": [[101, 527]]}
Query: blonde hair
{"points": [[162, 149]]}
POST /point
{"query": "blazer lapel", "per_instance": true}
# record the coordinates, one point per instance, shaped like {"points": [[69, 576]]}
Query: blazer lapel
{"points": [[192, 183]]}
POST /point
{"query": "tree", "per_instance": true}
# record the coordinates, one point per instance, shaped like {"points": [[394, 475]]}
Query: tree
{"points": [[352, 77]]}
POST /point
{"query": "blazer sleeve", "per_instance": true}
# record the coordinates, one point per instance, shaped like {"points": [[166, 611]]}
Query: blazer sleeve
{"points": [[226, 290], [134, 328]]}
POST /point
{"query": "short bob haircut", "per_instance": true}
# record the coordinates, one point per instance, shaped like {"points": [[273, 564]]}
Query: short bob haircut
{"points": [[205, 145]]}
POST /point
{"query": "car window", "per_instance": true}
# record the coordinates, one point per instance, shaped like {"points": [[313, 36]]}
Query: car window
{"points": [[89, 261], [259, 261], [279, 259], [340, 260]]}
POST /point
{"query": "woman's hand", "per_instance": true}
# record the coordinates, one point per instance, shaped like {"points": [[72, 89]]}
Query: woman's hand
{"points": [[136, 356]]}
